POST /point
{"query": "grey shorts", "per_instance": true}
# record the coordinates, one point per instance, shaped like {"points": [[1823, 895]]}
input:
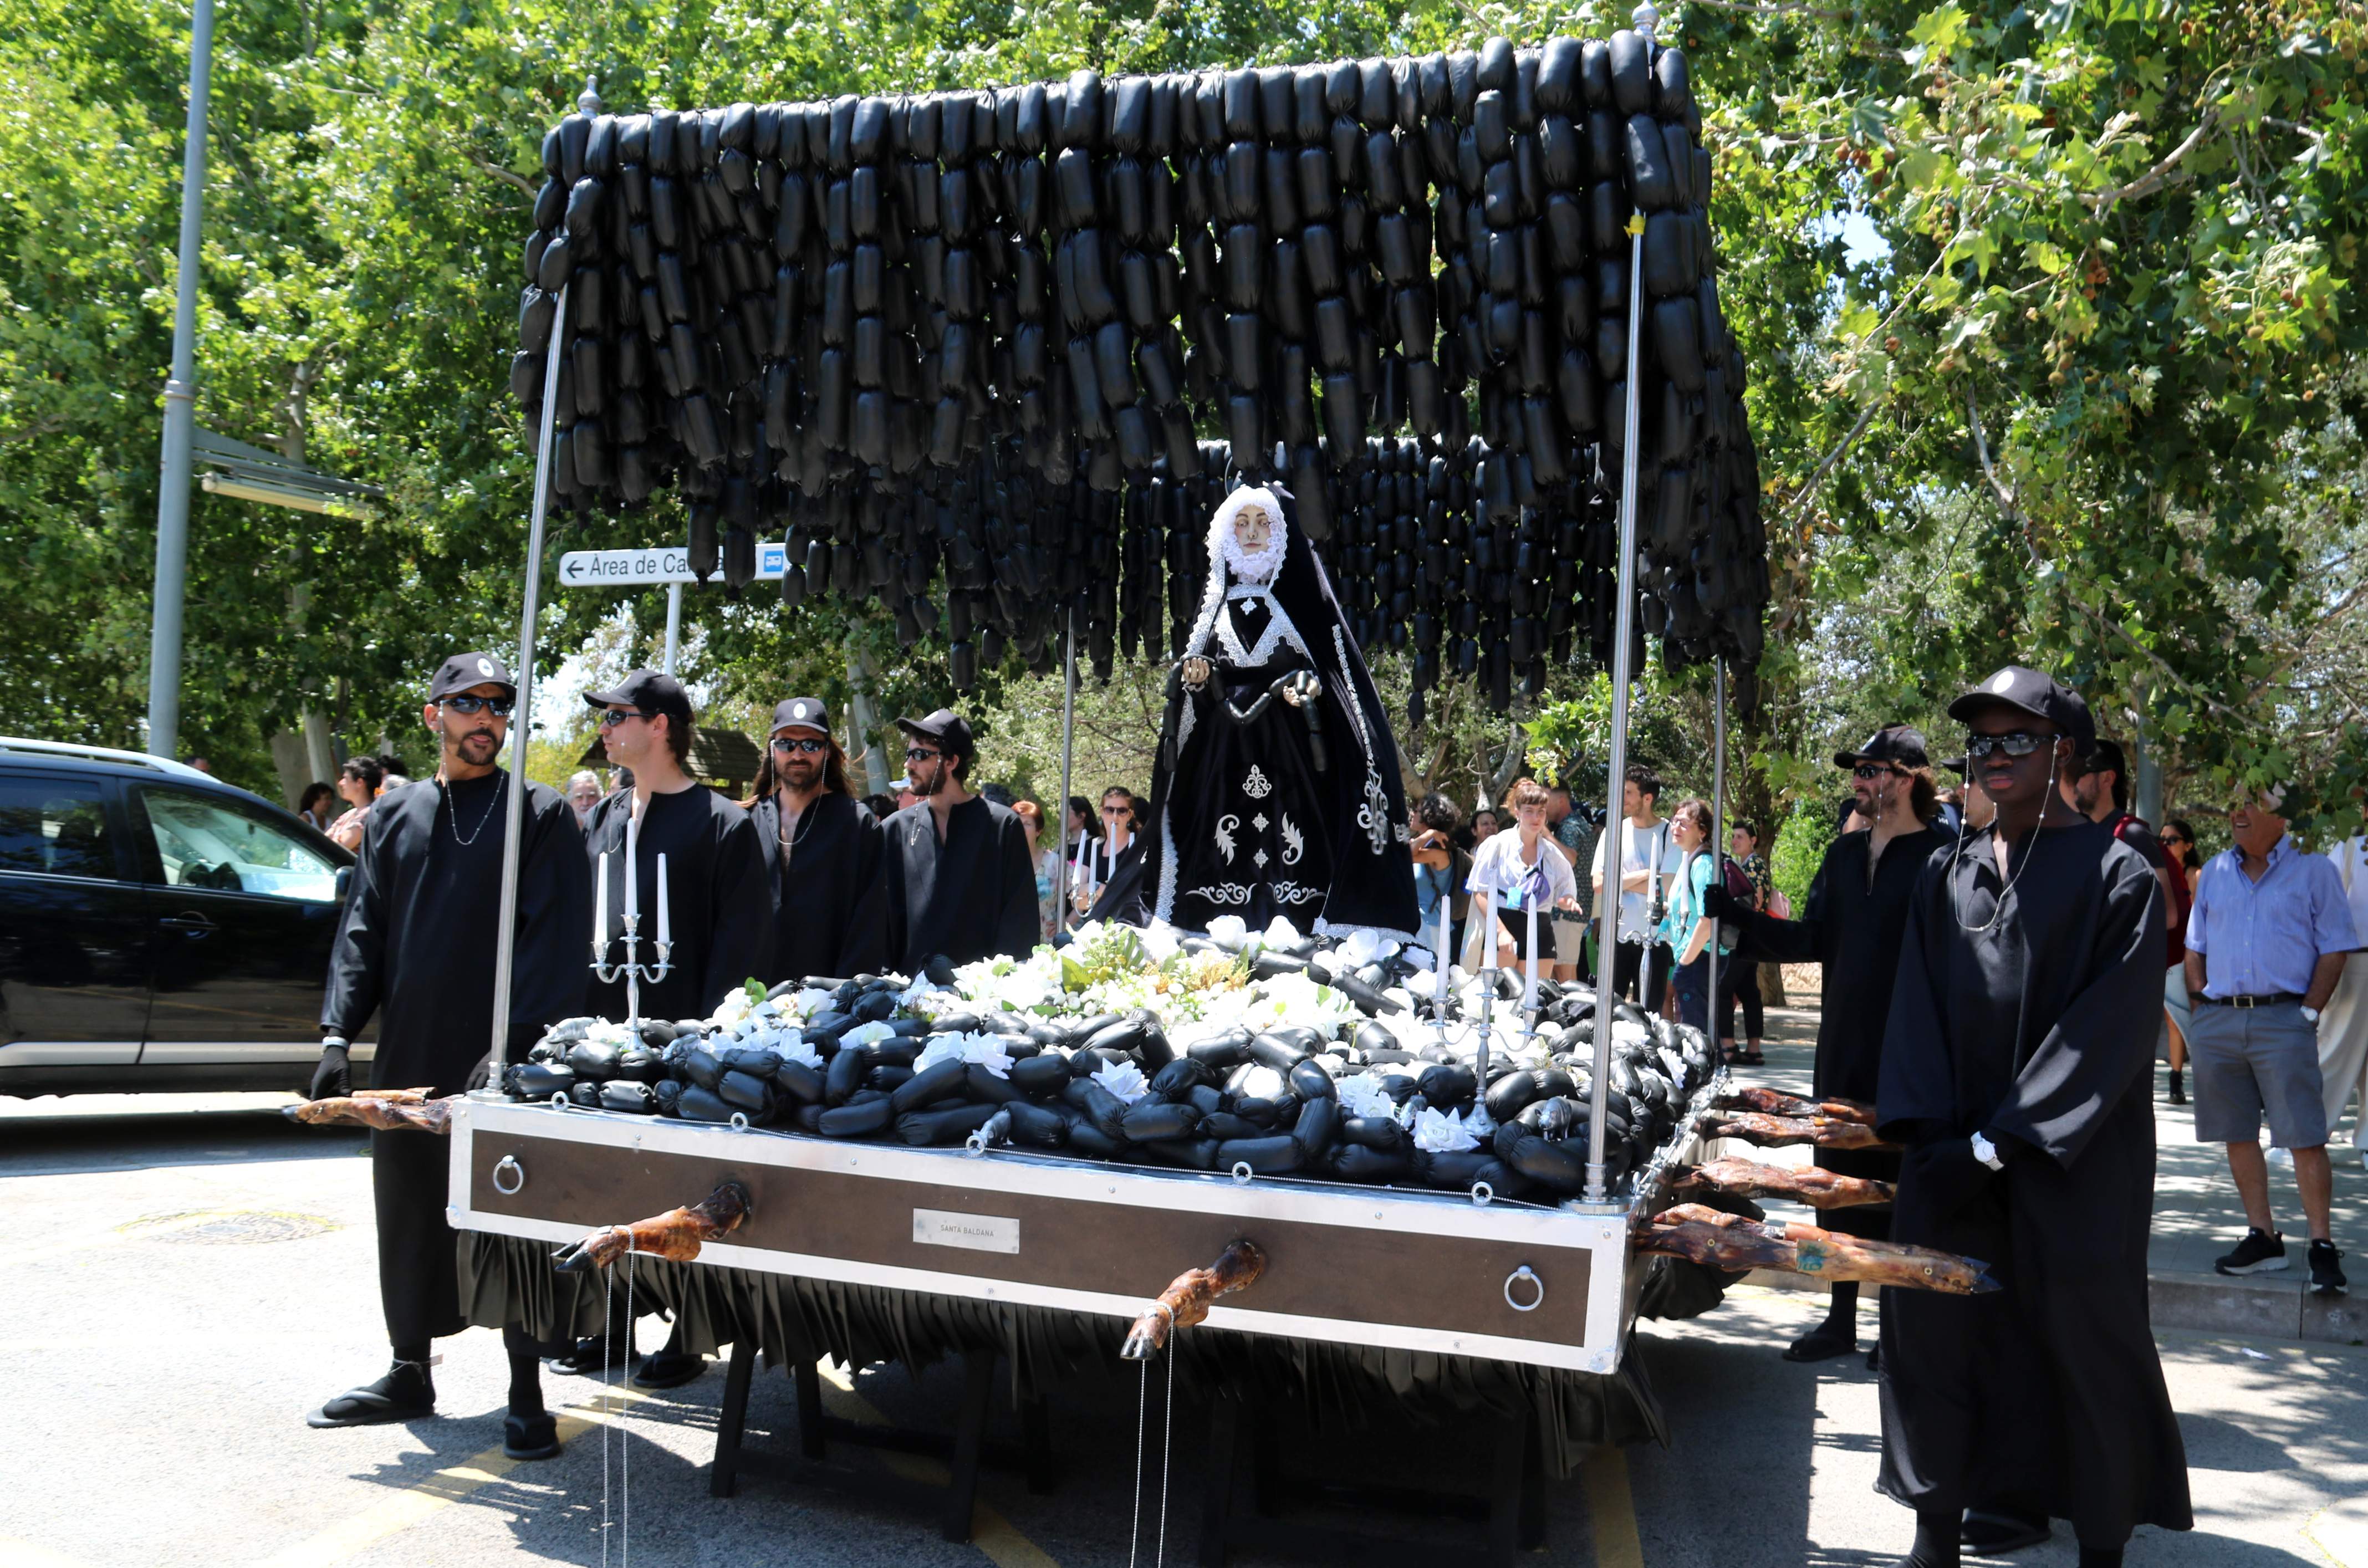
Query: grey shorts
{"points": [[1570, 930], [2249, 1060]]}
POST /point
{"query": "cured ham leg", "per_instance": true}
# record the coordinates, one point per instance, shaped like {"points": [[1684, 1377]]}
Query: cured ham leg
{"points": [[1734, 1243], [1188, 1300], [675, 1235], [1824, 1131], [1802, 1184], [382, 1110], [1776, 1102]]}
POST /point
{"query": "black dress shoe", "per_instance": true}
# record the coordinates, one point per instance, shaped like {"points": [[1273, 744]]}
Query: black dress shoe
{"points": [[1992, 1531], [530, 1436], [405, 1393], [585, 1359], [670, 1368], [1822, 1343]]}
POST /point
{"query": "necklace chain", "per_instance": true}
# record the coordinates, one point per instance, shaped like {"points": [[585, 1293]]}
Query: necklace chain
{"points": [[486, 816], [790, 841]]}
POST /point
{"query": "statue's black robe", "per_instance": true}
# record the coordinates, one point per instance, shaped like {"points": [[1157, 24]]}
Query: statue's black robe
{"points": [[416, 945], [715, 878], [970, 897], [1242, 823], [2047, 1396], [830, 897], [1853, 931]]}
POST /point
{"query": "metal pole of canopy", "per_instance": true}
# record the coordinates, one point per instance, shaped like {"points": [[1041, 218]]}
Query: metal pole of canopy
{"points": [[1068, 754], [522, 720], [1607, 941], [1717, 834], [674, 623]]}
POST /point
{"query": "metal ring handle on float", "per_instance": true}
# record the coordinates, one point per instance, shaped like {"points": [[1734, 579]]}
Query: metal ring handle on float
{"points": [[1242, 1172], [1483, 1194], [739, 1121], [517, 1172], [1517, 1277]]}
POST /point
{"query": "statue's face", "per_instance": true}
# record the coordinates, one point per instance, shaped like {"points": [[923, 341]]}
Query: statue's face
{"points": [[1253, 530]]}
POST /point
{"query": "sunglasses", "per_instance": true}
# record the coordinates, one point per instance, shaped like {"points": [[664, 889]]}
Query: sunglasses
{"points": [[2022, 742], [612, 717], [1872, 771], [787, 747], [1117, 810], [499, 706], [2175, 838], [921, 753]]}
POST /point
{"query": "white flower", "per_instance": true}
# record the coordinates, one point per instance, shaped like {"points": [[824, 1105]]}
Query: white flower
{"points": [[1160, 940], [728, 1013], [1229, 930], [1362, 1094], [1364, 947], [986, 1049], [805, 1004], [1424, 962], [1278, 933], [1626, 1031], [1123, 1079], [866, 1034], [1442, 1132], [790, 1046], [1260, 1083]]}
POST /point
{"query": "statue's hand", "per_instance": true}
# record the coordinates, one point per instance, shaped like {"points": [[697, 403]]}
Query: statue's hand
{"points": [[1196, 671]]}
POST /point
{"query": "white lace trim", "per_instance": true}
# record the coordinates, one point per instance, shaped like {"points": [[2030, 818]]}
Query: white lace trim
{"points": [[1226, 546], [1340, 928], [1279, 628]]}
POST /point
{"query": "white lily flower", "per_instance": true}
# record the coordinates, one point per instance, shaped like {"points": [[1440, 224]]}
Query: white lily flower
{"points": [[866, 1034], [1228, 931], [1123, 1079], [1362, 1094]]}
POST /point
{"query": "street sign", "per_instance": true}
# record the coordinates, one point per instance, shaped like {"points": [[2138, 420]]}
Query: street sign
{"points": [[661, 563]]}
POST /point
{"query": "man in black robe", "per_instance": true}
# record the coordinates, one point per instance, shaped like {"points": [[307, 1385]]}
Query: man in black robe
{"points": [[714, 905], [1850, 927], [417, 948], [719, 904], [2015, 1068], [961, 882], [822, 853]]}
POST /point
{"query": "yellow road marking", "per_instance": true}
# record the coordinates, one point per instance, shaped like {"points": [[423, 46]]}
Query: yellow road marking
{"points": [[2341, 1532], [989, 1532], [351, 1537], [1611, 1509]]}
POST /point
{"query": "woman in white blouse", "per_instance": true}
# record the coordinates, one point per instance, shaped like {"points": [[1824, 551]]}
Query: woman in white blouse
{"points": [[1514, 871]]}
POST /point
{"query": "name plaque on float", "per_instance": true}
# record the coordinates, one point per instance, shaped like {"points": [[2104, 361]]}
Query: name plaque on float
{"points": [[658, 563], [978, 1233]]}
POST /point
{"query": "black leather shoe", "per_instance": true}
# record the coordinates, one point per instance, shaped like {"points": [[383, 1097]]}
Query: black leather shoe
{"points": [[584, 1361], [669, 1370], [530, 1436], [1822, 1343], [1990, 1532], [405, 1393]]}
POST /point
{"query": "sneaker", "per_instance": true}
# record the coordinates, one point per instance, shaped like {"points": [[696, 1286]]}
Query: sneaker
{"points": [[2178, 1088], [2262, 1252], [2327, 1271]]}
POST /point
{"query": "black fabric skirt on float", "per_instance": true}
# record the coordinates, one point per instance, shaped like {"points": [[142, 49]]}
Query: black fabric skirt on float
{"points": [[1246, 812], [1342, 1387]]}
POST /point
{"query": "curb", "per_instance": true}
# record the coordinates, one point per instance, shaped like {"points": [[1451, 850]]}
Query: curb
{"points": [[2208, 1303]]}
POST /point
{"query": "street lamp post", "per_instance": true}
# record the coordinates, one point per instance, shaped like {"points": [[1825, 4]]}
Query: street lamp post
{"points": [[180, 412]]}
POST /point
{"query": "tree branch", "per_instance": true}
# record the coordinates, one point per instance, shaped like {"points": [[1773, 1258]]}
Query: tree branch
{"points": [[1817, 477], [485, 165], [2005, 500], [1772, 8], [2154, 179], [47, 425]]}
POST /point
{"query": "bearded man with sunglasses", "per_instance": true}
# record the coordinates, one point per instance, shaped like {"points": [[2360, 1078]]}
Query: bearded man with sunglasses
{"points": [[417, 948], [960, 882], [2016, 1067], [824, 853], [1850, 927]]}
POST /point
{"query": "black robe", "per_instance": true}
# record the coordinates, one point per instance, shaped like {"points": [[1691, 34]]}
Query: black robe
{"points": [[715, 878], [2046, 1396], [1243, 821], [1853, 932], [967, 898], [1121, 891], [830, 901], [416, 945]]}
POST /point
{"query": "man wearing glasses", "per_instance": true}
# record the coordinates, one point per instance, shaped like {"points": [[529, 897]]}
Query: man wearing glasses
{"points": [[2016, 1069], [960, 882], [720, 909], [417, 948], [1850, 927], [822, 853]]}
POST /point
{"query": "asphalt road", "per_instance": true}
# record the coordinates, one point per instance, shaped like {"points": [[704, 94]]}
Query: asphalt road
{"points": [[192, 1275]]}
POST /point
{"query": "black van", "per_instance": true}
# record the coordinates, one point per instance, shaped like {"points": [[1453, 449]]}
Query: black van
{"points": [[159, 929]]}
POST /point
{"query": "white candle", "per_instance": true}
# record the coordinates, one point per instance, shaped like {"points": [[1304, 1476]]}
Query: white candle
{"points": [[632, 866], [1529, 985], [1444, 901], [600, 913], [666, 911]]}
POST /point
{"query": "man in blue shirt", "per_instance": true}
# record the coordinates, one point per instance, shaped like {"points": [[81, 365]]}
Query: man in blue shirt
{"points": [[2265, 946]]}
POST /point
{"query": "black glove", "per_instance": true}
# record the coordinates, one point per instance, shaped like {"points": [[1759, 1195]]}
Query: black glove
{"points": [[1945, 1174], [1719, 903], [481, 1074], [331, 1079]]}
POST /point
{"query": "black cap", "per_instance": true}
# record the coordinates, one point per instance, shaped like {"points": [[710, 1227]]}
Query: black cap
{"points": [[1901, 746], [462, 671], [950, 731], [651, 691], [2106, 757], [805, 713], [2040, 696]]}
